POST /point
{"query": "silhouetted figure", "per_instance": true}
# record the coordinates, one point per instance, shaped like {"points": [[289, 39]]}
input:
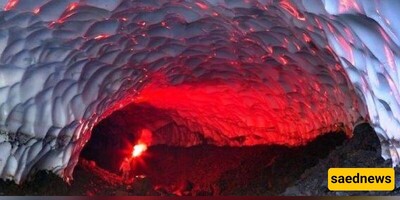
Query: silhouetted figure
{"points": [[125, 169]]}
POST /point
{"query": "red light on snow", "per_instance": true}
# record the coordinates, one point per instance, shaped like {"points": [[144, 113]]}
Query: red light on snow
{"points": [[72, 6], [138, 150], [36, 11], [101, 36], [10, 5], [202, 5]]}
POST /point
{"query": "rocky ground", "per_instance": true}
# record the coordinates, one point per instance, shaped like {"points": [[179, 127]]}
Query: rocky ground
{"points": [[362, 150], [210, 170]]}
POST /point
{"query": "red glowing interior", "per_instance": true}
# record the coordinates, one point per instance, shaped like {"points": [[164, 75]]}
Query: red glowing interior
{"points": [[248, 113]]}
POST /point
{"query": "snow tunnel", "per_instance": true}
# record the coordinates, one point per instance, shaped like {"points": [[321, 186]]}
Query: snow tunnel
{"points": [[233, 73]]}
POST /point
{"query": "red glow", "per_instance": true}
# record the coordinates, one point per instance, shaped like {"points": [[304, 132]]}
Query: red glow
{"points": [[347, 49], [390, 57], [36, 11], [10, 4], [72, 6], [306, 37], [292, 10], [65, 15], [238, 109], [138, 150], [101, 36], [348, 5], [202, 5]]}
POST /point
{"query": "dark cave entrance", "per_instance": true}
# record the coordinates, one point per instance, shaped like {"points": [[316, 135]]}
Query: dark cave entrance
{"points": [[206, 168], [114, 137], [108, 147]]}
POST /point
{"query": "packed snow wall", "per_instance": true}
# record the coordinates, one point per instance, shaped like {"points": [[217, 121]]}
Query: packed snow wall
{"points": [[239, 72]]}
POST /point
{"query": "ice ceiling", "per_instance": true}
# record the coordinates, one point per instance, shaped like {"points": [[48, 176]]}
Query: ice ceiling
{"points": [[239, 72]]}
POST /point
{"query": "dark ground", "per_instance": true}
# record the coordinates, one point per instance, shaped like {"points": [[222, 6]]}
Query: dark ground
{"points": [[362, 150], [210, 170]]}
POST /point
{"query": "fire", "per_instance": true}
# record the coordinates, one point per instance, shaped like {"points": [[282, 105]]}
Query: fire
{"points": [[138, 150]]}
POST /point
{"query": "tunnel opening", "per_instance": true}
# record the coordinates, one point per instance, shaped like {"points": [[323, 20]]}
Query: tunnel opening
{"points": [[179, 160], [115, 137]]}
